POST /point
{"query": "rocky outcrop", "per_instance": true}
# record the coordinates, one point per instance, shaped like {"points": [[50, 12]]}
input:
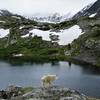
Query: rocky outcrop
{"points": [[54, 93], [93, 8], [11, 92], [41, 93], [86, 48]]}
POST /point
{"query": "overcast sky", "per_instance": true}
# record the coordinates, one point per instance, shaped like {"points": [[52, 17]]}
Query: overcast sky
{"points": [[43, 6]]}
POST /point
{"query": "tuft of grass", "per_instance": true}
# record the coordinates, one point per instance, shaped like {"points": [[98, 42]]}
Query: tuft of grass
{"points": [[27, 89]]}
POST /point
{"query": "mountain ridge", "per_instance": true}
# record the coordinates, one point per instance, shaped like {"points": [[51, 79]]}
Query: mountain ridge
{"points": [[89, 10]]}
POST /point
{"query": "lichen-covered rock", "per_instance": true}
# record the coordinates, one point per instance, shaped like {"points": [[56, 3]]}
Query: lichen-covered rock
{"points": [[42, 93], [68, 53], [92, 43], [53, 93]]}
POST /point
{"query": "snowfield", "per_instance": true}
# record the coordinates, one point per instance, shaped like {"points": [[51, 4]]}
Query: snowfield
{"points": [[93, 15], [2, 21], [68, 35], [3, 32], [65, 36]]}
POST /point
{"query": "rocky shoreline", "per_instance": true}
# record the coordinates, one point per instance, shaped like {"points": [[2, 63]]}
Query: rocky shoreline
{"points": [[41, 93]]}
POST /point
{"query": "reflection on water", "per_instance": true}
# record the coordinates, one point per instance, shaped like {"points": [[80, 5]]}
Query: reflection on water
{"points": [[83, 78], [55, 63], [69, 63]]}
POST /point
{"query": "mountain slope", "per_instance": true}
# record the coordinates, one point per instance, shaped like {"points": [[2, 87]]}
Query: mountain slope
{"points": [[86, 48], [93, 8], [52, 18]]}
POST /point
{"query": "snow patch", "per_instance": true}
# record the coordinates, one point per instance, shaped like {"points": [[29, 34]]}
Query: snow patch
{"points": [[87, 7], [16, 17], [65, 36], [4, 32], [21, 27], [93, 15], [2, 21], [24, 36], [44, 34], [17, 55], [68, 35]]}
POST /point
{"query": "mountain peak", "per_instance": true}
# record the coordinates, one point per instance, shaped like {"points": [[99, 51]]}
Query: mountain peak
{"points": [[93, 8], [5, 13]]}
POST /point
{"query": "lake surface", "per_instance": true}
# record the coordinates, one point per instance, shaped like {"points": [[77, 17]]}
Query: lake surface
{"points": [[82, 78]]}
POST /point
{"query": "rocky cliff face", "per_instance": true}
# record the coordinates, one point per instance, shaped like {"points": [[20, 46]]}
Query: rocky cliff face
{"points": [[87, 47], [93, 8]]}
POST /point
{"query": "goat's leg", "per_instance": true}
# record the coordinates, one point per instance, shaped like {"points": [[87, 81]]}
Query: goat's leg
{"points": [[42, 84], [50, 84]]}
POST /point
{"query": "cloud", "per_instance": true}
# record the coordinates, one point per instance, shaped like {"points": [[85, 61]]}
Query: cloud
{"points": [[43, 6]]}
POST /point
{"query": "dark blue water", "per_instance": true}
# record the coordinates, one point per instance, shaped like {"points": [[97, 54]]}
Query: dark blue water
{"points": [[82, 78]]}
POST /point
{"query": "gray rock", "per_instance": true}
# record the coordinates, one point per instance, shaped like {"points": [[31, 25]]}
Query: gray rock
{"points": [[54, 93]]}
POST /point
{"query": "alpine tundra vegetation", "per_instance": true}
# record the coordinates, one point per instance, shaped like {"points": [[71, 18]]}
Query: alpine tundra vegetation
{"points": [[19, 43]]}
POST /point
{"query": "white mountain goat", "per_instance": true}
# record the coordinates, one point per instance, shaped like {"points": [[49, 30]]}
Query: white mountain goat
{"points": [[47, 80]]}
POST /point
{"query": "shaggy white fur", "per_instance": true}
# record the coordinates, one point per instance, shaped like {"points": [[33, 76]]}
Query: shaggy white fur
{"points": [[47, 80]]}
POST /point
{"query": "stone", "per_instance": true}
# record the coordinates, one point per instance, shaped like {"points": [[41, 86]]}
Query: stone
{"points": [[41, 93]]}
